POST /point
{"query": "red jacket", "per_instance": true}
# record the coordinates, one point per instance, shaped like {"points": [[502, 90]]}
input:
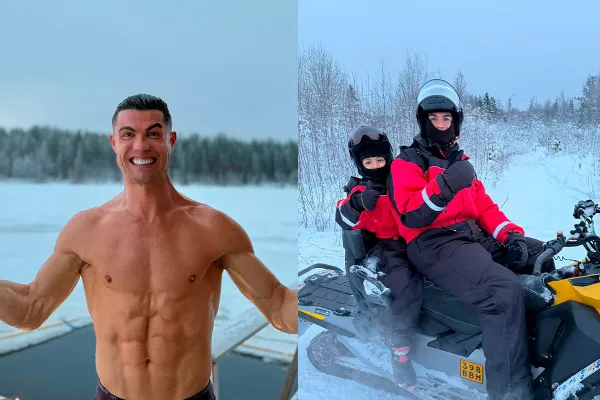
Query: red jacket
{"points": [[380, 221], [419, 207]]}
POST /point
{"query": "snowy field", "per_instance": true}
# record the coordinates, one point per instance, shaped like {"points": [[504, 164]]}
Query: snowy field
{"points": [[33, 215], [537, 191]]}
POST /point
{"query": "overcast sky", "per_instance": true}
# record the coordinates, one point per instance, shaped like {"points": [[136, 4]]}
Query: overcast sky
{"points": [[527, 48], [222, 65]]}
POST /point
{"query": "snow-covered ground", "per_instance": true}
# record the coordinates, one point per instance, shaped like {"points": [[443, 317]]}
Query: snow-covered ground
{"points": [[33, 215], [537, 191]]}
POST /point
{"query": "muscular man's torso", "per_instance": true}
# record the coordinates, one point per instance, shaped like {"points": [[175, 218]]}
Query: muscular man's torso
{"points": [[152, 290]]}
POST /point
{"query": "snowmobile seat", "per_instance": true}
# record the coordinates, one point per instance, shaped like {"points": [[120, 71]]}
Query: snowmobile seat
{"points": [[438, 306], [464, 318]]}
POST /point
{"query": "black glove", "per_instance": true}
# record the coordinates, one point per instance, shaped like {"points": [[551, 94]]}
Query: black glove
{"points": [[366, 200], [517, 251], [458, 176]]}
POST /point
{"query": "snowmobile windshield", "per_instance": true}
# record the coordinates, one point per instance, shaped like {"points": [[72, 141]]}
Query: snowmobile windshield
{"points": [[438, 94]]}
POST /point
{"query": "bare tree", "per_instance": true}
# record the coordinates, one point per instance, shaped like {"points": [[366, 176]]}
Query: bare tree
{"points": [[322, 102], [460, 84], [414, 73]]}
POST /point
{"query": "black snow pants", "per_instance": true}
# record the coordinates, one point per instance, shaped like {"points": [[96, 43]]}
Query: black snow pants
{"points": [[398, 324], [469, 264]]}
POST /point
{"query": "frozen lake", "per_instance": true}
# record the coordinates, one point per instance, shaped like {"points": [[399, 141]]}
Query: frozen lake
{"points": [[33, 215]]}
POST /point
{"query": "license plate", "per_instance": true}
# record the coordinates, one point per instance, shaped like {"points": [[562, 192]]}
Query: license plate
{"points": [[471, 371]]}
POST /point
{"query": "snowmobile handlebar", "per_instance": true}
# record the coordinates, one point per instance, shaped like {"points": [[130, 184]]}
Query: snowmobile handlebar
{"points": [[583, 210], [554, 247]]}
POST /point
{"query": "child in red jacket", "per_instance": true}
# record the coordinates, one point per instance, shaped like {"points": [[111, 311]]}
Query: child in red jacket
{"points": [[368, 208]]}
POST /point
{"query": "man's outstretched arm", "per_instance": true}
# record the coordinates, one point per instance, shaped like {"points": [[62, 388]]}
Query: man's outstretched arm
{"points": [[276, 302], [28, 306]]}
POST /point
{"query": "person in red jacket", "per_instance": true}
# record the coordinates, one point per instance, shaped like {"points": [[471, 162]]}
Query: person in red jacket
{"points": [[460, 240], [367, 207]]}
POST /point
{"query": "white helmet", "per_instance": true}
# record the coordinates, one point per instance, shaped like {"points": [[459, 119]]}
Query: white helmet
{"points": [[439, 95]]}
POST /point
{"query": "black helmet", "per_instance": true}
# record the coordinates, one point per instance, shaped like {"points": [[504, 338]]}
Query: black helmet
{"points": [[439, 95], [368, 141]]}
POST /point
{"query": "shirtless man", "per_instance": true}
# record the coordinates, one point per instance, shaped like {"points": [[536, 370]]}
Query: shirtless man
{"points": [[151, 261]]}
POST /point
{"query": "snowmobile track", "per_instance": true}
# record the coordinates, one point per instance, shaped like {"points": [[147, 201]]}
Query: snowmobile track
{"points": [[318, 356], [347, 365]]}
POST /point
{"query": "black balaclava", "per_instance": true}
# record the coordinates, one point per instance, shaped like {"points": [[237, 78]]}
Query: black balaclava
{"points": [[443, 138], [378, 175]]}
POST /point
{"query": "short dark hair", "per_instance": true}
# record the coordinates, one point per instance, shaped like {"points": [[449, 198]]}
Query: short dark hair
{"points": [[144, 102]]}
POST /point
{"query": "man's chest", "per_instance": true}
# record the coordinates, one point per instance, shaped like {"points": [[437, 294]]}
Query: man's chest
{"points": [[136, 258]]}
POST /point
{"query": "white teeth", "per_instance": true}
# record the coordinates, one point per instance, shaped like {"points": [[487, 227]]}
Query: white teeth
{"points": [[142, 161]]}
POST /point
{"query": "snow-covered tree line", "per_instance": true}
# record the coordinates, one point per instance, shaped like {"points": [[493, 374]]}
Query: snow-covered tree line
{"points": [[44, 154]]}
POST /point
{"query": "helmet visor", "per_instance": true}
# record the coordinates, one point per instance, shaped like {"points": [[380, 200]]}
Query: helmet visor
{"points": [[438, 94], [373, 134]]}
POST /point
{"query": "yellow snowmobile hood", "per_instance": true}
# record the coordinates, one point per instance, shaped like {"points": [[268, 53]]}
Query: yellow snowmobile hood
{"points": [[582, 289]]}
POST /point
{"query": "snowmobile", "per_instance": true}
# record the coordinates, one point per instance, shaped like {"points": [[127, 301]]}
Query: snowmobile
{"points": [[563, 322]]}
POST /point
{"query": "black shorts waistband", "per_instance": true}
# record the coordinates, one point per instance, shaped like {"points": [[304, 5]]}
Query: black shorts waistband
{"points": [[207, 393]]}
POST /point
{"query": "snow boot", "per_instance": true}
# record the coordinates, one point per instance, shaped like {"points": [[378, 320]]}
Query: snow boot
{"points": [[404, 373]]}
